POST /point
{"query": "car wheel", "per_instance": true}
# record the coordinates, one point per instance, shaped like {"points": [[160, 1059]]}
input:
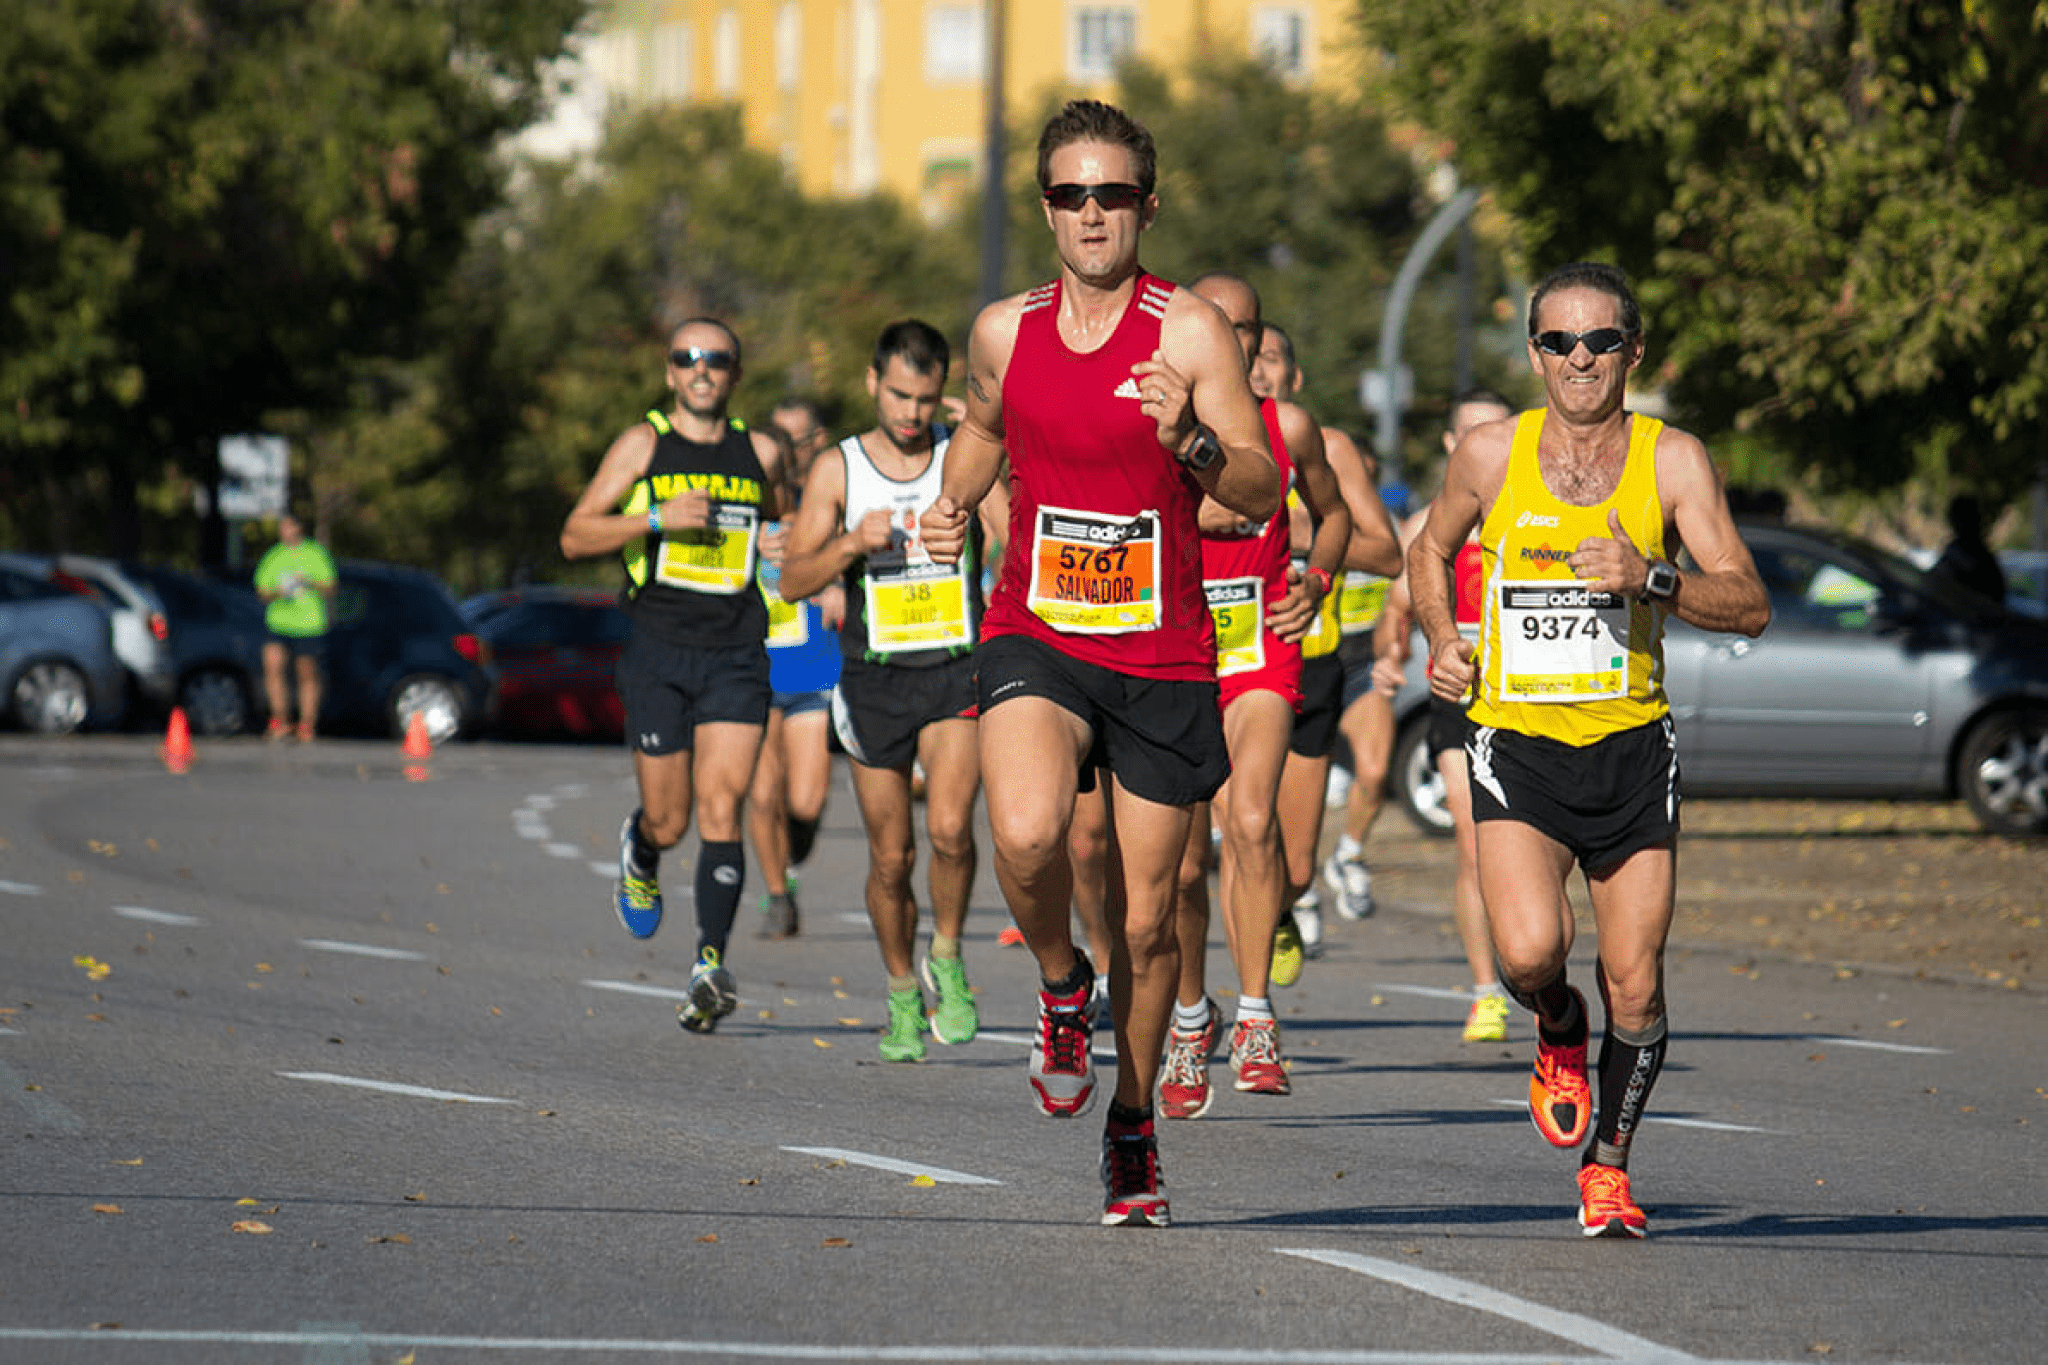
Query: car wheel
{"points": [[1416, 781], [438, 699], [2003, 773], [215, 703], [51, 698]]}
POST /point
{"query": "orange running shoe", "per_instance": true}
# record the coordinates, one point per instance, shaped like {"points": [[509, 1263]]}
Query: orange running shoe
{"points": [[1010, 936], [1606, 1208], [1560, 1101]]}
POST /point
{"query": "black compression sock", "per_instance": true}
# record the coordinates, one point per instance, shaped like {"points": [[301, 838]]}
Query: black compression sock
{"points": [[646, 855], [803, 837], [721, 876], [1552, 1001], [1629, 1066]]}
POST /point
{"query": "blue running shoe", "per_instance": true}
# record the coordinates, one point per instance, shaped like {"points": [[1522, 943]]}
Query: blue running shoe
{"points": [[712, 994], [637, 897]]}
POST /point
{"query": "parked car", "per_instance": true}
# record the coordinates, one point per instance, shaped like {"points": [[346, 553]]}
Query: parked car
{"points": [[1875, 679], [216, 639], [555, 651], [395, 646], [140, 629], [2026, 581], [58, 668]]}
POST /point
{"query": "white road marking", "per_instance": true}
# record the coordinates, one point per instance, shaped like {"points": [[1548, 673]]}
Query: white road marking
{"points": [[635, 988], [1709, 1124], [44, 1112], [1100, 1050], [330, 945], [144, 913], [604, 869], [391, 1088], [1880, 1047], [540, 801], [1580, 1331], [20, 889], [536, 833], [884, 1163], [1428, 992], [563, 851]]}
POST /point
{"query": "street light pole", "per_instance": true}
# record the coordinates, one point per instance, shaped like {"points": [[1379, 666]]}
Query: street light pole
{"points": [[995, 207]]}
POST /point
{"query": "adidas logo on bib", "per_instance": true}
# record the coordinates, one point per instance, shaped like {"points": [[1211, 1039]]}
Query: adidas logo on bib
{"points": [[1128, 389]]}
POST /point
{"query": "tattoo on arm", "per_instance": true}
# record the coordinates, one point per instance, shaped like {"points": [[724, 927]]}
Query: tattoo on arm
{"points": [[976, 387]]}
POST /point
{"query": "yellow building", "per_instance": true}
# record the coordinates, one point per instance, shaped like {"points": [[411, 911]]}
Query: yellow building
{"points": [[865, 95]]}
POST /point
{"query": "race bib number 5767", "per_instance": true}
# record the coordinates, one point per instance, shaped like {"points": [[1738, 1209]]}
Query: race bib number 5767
{"points": [[1092, 572]]}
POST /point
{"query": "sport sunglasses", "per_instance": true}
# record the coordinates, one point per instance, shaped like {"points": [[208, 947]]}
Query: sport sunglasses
{"points": [[1112, 196], [1599, 341], [691, 355]]}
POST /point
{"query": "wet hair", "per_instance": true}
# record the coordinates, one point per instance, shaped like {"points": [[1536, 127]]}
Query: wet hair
{"points": [[918, 343], [1608, 279], [730, 334], [1094, 121]]}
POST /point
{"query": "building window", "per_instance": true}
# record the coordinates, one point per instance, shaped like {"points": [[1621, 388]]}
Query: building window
{"points": [[669, 81], [725, 54], [1099, 38], [1280, 38], [955, 43], [789, 46]]}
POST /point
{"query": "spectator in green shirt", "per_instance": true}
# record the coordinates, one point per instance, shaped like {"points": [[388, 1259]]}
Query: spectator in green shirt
{"points": [[294, 578]]}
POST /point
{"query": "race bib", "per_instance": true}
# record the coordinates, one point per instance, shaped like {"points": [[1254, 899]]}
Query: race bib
{"points": [[1325, 633], [1562, 641], [1094, 573], [1237, 606], [789, 625], [916, 604], [718, 558], [1361, 601]]}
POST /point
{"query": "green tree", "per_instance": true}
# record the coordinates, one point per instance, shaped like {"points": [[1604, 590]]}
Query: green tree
{"points": [[218, 213], [1835, 212]]}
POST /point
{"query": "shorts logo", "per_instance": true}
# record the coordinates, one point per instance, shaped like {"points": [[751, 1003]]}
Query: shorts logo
{"points": [[1011, 686], [1534, 519], [651, 741], [1128, 389], [726, 876]]}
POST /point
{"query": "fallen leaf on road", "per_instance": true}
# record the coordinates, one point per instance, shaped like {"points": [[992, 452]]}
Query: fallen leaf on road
{"points": [[95, 970], [708, 1237], [106, 1208], [135, 1162], [849, 1023], [836, 1242], [821, 1042], [416, 1198], [750, 1180], [923, 1181], [254, 1227], [247, 1203], [394, 1239]]}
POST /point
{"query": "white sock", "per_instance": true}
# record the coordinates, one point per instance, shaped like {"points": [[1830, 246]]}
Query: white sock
{"points": [[1250, 1007], [1348, 849], [1189, 1018]]}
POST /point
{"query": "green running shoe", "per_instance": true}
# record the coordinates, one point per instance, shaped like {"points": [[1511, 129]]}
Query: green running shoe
{"points": [[903, 1040], [956, 1018]]}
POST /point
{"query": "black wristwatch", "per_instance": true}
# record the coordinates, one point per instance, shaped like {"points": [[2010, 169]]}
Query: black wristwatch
{"points": [[1200, 450], [1661, 583]]}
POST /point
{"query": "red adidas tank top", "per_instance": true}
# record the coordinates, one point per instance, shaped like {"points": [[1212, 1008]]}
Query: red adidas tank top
{"points": [[1104, 560]]}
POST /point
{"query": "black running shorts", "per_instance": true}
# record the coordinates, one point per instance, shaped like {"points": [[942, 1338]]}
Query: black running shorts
{"points": [[1448, 727], [1356, 653], [1603, 801], [878, 710], [1322, 705], [669, 690], [1162, 739]]}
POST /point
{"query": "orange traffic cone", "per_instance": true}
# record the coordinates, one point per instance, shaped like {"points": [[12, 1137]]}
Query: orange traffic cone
{"points": [[419, 747], [178, 742]]}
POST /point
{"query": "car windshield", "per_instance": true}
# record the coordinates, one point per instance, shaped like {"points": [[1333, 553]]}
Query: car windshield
{"points": [[1937, 588]]}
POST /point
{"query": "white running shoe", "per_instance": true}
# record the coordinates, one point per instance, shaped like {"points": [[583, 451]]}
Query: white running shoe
{"points": [[1351, 879]]}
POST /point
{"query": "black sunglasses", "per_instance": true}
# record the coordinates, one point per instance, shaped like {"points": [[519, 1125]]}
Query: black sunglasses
{"points": [[713, 360], [1599, 341], [1112, 196]]}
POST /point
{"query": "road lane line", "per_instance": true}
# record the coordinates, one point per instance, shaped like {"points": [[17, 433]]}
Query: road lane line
{"points": [[330, 945], [559, 850], [1709, 1124], [635, 988], [149, 916], [1097, 1049], [20, 889], [391, 1088], [884, 1163], [1572, 1327], [1879, 1047], [1427, 992]]}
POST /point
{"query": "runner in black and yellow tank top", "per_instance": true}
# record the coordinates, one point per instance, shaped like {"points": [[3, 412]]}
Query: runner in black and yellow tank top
{"points": [[1572, 754]]}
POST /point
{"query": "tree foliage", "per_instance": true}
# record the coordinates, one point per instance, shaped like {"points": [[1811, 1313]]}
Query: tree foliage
{"points": [[1835, 209]]}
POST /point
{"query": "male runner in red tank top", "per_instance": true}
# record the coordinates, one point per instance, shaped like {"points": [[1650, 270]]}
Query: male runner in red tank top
{"points": [[1120, 400]]}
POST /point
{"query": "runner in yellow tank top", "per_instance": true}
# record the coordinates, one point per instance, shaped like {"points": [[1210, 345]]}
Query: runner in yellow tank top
{"points": [[1572, 754]]}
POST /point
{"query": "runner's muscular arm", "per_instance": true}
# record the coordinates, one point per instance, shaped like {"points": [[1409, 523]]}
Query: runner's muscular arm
{"points": [[1472, 480], [975, 457], [770, 456], [1293, 614], [818, 552], [594, 525], [1390, 639], [1374, 547], [1200, 375]]}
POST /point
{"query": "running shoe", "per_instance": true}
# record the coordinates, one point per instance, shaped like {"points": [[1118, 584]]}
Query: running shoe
{"points": [[1488, 1020], [956, 1018], [1560, 1101], [903, 1039], [1105, 1009], [1606, 1208], [782, 916], [1133, 1194], [1351, 879], [1308, 917], [1010, 936], [278, 728], [637, 896], [304, 732], [1062, 1067], [1255, 1057], [712, 994], [1184, 1091], [1285, 969]]}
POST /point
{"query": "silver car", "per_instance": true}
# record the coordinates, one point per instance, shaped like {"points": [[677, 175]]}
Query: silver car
{"points": [[58, 671], [1875, 679]]}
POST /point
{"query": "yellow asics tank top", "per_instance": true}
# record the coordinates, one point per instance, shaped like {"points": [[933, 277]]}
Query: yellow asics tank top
{"points": [[1556, 658]]}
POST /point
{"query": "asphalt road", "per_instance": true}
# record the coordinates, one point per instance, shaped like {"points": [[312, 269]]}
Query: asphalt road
{"points": [[304, 1061]]}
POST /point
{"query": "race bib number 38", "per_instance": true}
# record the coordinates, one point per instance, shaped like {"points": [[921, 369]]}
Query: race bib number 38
{"points": [[1091, 572], [1562, 642], [718, 558]]}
